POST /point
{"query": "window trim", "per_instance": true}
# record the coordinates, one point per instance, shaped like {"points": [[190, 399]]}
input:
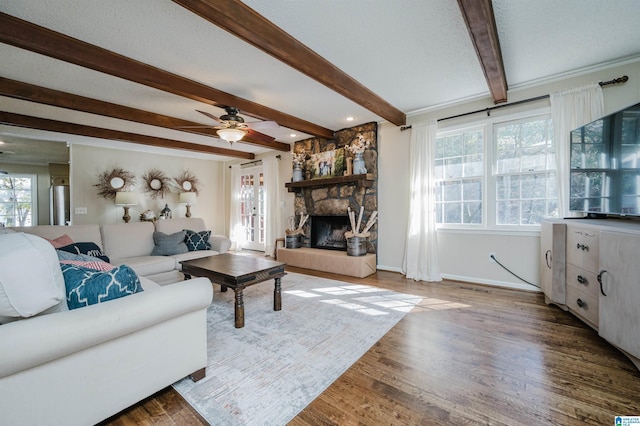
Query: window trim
{"points": [[489, 201], [34, 194]]}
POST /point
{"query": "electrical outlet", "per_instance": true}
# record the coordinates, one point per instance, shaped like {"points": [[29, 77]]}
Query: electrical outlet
{"points": [[80, 210], [492, 253]]}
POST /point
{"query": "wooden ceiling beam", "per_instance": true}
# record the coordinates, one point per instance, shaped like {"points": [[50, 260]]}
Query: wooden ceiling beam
{"points": [[30, 92], [481, 23], [29, 122], [25, 35], [246, 24]]}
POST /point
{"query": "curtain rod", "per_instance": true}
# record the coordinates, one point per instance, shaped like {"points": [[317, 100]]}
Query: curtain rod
{"points": [[619, 80], [257, 161]]}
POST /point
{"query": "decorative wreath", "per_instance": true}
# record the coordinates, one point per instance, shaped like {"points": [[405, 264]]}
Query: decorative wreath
{"points": [[187, 182], [110, 182], [156, 183]]}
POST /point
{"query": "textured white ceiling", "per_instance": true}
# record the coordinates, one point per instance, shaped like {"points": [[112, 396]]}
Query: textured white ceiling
{"points": [[415, 54]]}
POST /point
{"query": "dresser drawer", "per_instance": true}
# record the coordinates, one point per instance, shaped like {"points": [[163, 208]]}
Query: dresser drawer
{"points": [[583, 279], [583, 247], [583, 305]]}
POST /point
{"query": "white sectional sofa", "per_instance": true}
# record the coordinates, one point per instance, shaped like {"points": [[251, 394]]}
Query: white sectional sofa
{"points": [[132, 243], [81, 366]]}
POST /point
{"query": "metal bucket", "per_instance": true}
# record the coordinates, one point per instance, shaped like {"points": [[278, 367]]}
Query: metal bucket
{"points": [[292, 242], [356, 246]]}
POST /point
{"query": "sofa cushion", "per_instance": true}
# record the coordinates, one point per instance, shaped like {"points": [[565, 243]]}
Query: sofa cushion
{"points": [[30, 277], [192, 255], [124, 240], [87, 286], [168, 244], [88, 248], [197, 240], [148, 265], [169, 226], [65, 255]]}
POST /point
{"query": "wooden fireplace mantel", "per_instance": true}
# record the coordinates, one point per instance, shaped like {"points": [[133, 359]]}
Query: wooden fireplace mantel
{"points": [[363, 180]]}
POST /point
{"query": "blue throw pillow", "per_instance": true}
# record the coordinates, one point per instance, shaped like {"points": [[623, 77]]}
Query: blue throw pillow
{"points": [[90, 249], [87, 286], [167, 245], [197, 240]]}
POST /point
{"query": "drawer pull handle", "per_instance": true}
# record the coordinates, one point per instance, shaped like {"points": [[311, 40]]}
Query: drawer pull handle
{"points": [[548, 259], [582, 247], [600, 281], [581, 279], [581, 303]]}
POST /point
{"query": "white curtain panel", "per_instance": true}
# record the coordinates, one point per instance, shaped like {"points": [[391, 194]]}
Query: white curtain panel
{"points": [[236, 233], [571, 109], [421, 250], [272, 228]]}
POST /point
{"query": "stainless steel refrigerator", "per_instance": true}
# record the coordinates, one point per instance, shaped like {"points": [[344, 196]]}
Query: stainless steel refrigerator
{"points": [[59, 208]]}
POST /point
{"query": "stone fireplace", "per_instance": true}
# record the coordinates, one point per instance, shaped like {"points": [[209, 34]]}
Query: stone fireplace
{"points": [[332, 197]]}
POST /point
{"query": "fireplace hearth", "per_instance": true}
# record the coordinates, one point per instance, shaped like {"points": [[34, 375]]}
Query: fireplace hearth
{"points": [[327, 232]]}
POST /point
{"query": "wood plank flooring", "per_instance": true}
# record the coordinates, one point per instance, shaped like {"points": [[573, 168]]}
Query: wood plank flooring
{"points": [[467, 355]]}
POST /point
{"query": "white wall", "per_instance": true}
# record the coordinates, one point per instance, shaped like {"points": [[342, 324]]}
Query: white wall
{"points": [[87, 162], [464, 255]]}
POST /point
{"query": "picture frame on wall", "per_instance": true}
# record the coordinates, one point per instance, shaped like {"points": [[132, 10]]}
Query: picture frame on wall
{"points": [[326, 164]]}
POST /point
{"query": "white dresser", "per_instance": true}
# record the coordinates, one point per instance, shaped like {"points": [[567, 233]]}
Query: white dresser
{"points": [[591, 267]]}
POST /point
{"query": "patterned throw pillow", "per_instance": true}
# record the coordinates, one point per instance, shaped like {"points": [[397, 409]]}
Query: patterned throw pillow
{"points": [[89, 248], [97, 264], [197, 240], [87, 286], [167, 245]]}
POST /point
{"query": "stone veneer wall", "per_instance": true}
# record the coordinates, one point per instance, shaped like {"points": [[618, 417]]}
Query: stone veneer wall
{"points": [[335, 199]]}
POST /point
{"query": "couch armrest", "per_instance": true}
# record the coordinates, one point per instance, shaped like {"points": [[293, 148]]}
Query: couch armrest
{"points": [[220, 243], [38, 340]]}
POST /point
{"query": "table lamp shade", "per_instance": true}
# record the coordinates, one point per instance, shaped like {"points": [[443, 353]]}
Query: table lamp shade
{"points": [[188, 197], [126, 198]]}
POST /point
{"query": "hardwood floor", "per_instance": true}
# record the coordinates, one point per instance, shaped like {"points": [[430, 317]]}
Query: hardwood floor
{"points": [[468, 354]]}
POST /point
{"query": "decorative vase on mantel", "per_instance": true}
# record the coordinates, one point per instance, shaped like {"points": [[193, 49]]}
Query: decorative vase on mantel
{"points": [[297, 173], [358, 164]]}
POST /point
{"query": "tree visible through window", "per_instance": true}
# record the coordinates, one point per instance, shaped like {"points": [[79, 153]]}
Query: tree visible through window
{"points": [[17, 193], [459, 171], [525, 175]]}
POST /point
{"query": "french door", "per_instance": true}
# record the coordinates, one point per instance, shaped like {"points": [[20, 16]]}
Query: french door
{"points": [[252, 207]]}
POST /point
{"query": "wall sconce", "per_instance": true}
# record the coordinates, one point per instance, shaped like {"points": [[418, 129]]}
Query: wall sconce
{"points": [[188, 198], [126, 199]]}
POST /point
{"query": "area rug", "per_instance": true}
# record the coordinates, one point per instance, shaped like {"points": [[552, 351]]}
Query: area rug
{"points": [[268, 371]]}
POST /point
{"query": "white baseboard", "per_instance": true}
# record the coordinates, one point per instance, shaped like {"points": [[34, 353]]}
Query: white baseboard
{"points": [[517, 286]]}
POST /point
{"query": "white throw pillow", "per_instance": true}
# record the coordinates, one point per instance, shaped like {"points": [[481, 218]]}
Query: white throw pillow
{"points": [[30, 277]]}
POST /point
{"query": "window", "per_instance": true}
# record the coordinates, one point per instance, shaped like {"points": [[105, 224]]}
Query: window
{"points": [[525, 178], [17, 200], [508, 182], [459, 172]]}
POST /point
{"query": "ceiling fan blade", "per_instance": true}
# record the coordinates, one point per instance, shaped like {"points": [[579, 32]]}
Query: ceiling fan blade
{"points": [[194, 127], [260, 125], [211, 116], [259, 136]]}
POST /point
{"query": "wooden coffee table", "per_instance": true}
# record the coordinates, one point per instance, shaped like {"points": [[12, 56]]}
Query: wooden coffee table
{"points": [[238, 272]]}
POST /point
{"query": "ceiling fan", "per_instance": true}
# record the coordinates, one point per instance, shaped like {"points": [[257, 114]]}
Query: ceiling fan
{"points": [[232, 127]]}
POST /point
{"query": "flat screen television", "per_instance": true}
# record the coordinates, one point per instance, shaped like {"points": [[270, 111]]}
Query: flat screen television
{"points": [[605, 165]]}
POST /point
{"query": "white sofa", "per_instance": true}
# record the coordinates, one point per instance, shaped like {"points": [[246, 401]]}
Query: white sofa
{"points": [[79, 367]]}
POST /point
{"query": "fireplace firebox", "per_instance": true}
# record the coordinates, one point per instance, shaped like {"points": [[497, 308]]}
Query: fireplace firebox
{"points": [[327, 232]]}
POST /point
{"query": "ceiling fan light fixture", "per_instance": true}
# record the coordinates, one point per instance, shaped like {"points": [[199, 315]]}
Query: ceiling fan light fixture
{"points": [[231, 135]]}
